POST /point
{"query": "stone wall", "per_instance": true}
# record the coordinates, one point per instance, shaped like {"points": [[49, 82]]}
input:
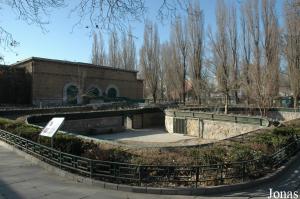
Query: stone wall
{"points": [[193, 127], [169, 124], [283, 116], [221, 130], [208, 129]]}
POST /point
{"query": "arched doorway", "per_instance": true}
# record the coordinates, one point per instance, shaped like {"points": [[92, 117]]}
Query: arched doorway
{"points": [[112, 93]]}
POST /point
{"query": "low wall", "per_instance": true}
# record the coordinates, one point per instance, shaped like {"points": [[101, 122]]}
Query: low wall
{"points": [[208, 129], [96, 122]]}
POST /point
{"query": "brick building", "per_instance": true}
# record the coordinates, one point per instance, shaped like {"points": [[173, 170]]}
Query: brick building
{"points": [[56, 82]]}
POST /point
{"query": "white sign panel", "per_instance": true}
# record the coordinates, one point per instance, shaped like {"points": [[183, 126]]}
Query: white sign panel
{"points": [[52, 127]]}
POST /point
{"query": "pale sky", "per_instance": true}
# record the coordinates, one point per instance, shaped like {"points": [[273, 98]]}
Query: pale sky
{"points": [[61, 41]]}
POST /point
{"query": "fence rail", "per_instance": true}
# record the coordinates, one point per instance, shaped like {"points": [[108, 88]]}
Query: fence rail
{"points": [[154, 175]]}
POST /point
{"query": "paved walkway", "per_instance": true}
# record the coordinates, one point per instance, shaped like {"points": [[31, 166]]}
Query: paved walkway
{"points": [[19, 179]]}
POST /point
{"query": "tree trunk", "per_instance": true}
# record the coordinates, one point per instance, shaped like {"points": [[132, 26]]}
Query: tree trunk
{"points": [[236, 97], [154, 98], [295, 102], [226, 104], [199, 100], [183, 83]]}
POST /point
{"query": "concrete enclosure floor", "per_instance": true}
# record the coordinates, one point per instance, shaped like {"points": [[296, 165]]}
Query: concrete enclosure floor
{"points": [[151, 137]]}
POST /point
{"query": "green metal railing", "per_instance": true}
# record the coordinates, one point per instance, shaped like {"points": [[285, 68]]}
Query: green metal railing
{"points": [[154, 175], [218, 117]]}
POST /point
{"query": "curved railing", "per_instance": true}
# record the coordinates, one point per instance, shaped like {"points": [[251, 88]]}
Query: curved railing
{"points": [[142, 175]]}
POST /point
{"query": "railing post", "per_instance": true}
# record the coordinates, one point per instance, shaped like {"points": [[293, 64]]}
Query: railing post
{"points": [[197, 175], [243, 171], [260, 121], [221, 173], [115, 170], [91, 168], [60, 160], [140, 176]]}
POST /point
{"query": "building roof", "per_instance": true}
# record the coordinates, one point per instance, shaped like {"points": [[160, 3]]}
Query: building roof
{"points": [[71, 63]]}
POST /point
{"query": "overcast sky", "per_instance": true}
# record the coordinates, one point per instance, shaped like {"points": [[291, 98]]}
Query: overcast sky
{"points": [[62, 41]]}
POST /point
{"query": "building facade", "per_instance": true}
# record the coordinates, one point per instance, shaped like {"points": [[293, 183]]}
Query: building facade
{"points": [[57, 82]]}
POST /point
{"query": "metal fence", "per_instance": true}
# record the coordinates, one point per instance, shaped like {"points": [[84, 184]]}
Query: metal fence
{"points": [[151, 175]]}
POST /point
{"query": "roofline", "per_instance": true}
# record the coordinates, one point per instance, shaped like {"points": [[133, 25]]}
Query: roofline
{"points": [[70, 62]]}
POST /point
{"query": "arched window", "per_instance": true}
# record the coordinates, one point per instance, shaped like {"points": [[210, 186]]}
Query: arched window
{"points": [[71, 92]]}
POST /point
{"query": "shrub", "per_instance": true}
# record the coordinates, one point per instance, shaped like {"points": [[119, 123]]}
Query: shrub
{"points": [[68, 144], [264, 138], [242, 152], [212, 155], [284, 131], [28, 132]]}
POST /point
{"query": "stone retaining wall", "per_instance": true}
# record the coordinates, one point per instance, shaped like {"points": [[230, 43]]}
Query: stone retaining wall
{"points": [[208, 129], [283, 116]]}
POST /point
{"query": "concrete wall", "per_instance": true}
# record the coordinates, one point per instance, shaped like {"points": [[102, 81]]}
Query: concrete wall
{"points": [[145, 120], [86, 125], [136, 121]]}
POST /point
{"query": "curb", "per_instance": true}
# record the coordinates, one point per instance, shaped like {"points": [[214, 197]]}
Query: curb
{"points": [[152, 190]]}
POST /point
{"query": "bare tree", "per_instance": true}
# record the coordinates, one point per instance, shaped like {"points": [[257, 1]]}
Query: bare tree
{"points": [[114, 50], [220, 50], [246, 83], [98, 50], [149, 59], [262, 71], [108, 14], [171, 71], [181, 38], [292, 45], [233, 39], [128, 54], [196, 48], [253, 26], [271, 52]]}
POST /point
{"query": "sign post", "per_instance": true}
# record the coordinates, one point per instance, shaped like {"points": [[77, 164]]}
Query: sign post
{"points": [[52, 127]]}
